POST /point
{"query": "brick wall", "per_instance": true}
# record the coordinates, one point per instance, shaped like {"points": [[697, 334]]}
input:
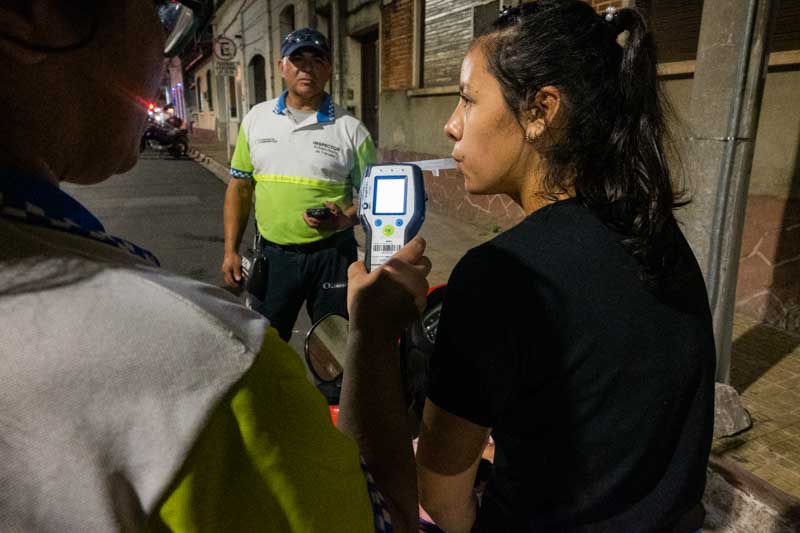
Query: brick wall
{"points": [[446, 40], [602, 5], [397, 45]]}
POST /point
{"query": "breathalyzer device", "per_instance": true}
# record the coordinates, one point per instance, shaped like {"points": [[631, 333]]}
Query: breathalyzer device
{"points": [[392, 209]]}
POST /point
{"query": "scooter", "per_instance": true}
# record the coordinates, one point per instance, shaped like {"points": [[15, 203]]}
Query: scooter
{"points": [[165, 137]]}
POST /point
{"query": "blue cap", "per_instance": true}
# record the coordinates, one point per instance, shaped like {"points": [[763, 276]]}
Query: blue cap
{"points": [[305, 38]]}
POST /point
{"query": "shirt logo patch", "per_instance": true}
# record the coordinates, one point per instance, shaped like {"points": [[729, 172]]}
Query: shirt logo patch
{"points": [[266, 140], [329, 150]]}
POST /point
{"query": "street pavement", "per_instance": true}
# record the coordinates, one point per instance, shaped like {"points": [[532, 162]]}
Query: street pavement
{"points": [[174, 209]]}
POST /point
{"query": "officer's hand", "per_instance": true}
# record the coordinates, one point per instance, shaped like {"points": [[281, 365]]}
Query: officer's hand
{"points": [[337, 220], [387, 299], [232, 269]]}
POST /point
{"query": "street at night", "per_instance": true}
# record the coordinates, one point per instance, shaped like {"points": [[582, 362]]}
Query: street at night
{"points": [[173, 208], [565, 233]]}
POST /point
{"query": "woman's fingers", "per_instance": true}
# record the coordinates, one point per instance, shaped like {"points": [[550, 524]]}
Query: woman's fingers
{"points": [[412, 251]]}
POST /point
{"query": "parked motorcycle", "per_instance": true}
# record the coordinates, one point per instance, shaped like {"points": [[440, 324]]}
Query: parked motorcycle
{"points": [[165, 137], [325, 348]]}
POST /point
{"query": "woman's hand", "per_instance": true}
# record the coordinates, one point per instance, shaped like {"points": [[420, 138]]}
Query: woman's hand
{"points": [[387, 299], [372, 408]]}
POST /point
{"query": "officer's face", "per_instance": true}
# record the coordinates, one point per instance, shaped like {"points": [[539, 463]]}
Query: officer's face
{"points": [[306, 72]]}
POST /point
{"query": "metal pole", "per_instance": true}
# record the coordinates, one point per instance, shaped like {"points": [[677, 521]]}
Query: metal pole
{"points": [[726, 99], [228, 120]]}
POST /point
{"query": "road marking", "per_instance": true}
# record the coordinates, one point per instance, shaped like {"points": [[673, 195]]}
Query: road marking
{"points": [[142, 202]]}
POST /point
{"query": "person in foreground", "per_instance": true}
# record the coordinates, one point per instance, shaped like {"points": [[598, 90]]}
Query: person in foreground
{"points": [[581, 339], [132, 399]]}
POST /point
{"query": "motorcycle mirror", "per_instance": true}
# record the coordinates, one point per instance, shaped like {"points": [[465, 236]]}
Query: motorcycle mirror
{"points": [[325, 348], [182, 20]]}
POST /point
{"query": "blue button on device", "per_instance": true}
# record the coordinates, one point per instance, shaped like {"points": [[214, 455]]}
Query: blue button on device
{"points": [[378, 222], [398, 222]]}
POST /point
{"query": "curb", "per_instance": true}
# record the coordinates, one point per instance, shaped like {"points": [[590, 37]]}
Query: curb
{"points": [[212, 165]]}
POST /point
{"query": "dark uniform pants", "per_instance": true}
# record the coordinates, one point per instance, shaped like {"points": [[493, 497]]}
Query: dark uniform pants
{"points": [[315, 273]]}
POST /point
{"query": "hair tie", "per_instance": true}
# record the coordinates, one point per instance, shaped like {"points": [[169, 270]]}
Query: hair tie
{"points": [[613, 19]]}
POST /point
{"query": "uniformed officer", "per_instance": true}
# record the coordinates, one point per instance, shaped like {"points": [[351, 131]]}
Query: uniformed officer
{"points": [[297, 152]]}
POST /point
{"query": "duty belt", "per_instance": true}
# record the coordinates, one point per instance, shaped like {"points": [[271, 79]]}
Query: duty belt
{"points": [[310, 247]]}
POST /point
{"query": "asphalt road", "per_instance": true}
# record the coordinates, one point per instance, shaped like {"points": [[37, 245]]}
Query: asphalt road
{"points": [[174, 209]]}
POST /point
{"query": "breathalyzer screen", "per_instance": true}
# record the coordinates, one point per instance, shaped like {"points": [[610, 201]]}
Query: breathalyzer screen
{"points": [[390, 195]]}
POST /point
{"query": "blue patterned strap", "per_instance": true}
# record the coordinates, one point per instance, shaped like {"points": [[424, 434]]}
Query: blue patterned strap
{"points": [[383, 521], [241, 174], [30, 213]]}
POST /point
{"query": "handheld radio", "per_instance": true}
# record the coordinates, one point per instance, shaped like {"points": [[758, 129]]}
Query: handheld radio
{"points": [[392, 209]]}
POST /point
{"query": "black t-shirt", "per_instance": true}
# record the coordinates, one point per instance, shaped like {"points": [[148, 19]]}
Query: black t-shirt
{"points": [[599, 388]]}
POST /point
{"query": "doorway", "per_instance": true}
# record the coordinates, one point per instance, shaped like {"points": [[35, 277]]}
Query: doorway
{"points": [[369, 82], [258, 75]]}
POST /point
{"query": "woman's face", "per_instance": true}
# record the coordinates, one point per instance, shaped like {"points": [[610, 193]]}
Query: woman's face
{"points": [[490, 148]]}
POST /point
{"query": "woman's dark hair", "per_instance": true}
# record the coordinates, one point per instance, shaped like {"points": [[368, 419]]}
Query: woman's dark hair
{"points": [[613, 150]]}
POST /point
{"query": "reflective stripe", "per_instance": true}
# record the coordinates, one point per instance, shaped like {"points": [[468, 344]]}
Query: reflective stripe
{"points": [[300, 180]]}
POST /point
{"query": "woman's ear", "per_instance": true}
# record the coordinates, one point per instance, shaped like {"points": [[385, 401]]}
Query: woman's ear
{"points": [[545, 113]]}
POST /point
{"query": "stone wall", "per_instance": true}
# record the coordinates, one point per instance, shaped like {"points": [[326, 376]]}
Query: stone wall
{"points": [[397, 44]]}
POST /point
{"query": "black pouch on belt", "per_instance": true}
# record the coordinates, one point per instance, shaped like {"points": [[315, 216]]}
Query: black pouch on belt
{"points": [[256, 280]]}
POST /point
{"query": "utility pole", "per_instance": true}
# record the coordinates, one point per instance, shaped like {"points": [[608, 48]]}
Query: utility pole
{"points": [[730, 71]]}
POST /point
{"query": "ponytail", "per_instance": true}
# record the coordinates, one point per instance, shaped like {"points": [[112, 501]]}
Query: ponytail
{"points": [[613, 151], [637, 139]]}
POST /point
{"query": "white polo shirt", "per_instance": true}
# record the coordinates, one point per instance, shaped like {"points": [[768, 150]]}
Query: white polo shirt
{"points": [[297, 166]]}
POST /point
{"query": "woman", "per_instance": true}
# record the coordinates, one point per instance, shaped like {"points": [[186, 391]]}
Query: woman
{"points": [[581, 339]]}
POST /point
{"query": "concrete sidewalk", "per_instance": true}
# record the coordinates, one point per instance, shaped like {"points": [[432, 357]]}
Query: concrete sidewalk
{"points": [[765, 368]]}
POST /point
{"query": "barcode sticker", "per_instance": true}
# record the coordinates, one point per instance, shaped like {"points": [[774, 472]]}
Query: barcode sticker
{"points": [[385, 248]]}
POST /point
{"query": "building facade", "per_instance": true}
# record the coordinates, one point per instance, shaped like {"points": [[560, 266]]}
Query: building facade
{"points": [[423, 42], [222, 92], [396, 67]]}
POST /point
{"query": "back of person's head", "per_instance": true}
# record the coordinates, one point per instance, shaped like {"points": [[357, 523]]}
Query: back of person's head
{"points": [[612, 151]]}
